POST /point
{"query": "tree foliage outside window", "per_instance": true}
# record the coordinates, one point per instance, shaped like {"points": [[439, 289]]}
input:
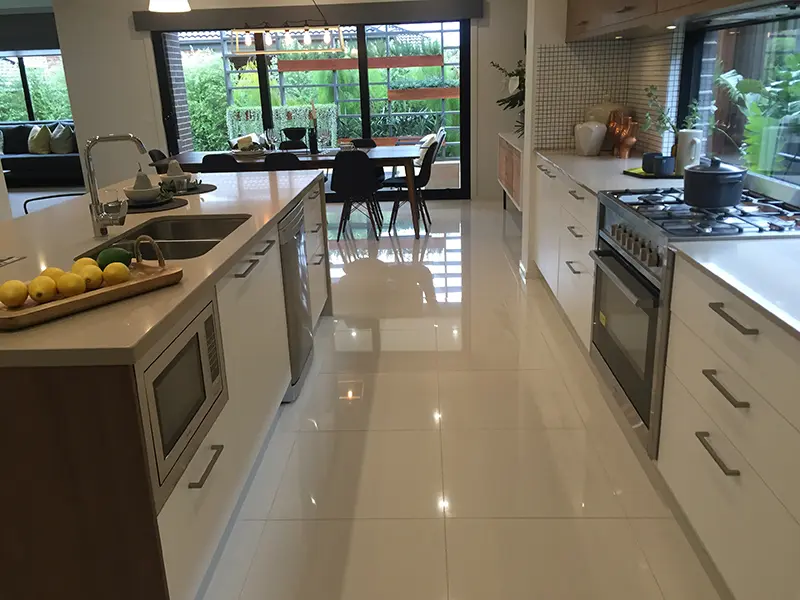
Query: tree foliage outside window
{"points": [[46, 83]]}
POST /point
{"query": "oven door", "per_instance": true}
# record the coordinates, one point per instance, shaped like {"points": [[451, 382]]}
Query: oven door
{"points": [[624, 326], [182, 384]]}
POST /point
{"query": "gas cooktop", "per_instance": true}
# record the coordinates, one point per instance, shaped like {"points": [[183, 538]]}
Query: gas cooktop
{"points": [[755, 214]]}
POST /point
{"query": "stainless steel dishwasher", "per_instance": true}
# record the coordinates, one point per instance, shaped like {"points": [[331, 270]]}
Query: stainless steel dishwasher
{"points": [[294, 264]]}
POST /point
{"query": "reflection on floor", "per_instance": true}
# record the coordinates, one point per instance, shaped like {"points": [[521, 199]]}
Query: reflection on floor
{"points": [[451, 442]]}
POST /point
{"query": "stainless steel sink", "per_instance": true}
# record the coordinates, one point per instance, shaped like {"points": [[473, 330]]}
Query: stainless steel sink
{"points": [[180, 238]]}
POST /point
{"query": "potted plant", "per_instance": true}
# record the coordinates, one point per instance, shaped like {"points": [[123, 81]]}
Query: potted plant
{"points": [[686, 149], [516, 93]]}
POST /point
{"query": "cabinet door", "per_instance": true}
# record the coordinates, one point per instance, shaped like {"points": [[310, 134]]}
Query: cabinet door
{"points": [[254, 336], [576, 275], [547, 220], [619, 11], [503, 164], [582, 18], [317, 282], [516, 175], [664, 5]]}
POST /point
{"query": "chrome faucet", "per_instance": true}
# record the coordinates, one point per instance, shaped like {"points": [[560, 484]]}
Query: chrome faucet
{"points": [[111, 213]]}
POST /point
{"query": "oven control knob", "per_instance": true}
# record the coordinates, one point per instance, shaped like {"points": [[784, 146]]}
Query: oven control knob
{"points": [[622, 235], [644, 253], [631, 242], [653, 259], [614, 230], [637, 246]]}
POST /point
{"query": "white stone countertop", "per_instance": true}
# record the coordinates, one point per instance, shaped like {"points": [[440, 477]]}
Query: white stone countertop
{"points": [[514, 140], [604, 172], [763, 272], [121, 332]]}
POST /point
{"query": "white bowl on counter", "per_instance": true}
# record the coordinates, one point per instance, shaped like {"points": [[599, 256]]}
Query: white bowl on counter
{"points": [[187, 177], [142, 195]]}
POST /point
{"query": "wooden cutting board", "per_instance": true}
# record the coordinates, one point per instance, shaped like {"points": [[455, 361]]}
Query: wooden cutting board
{"points": [[144, 278]]}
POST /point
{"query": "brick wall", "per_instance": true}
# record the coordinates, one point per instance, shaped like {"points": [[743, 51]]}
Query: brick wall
{"points": [[173, 49]]}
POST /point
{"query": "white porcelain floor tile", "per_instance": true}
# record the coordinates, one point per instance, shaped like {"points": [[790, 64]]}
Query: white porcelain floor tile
{"points": [[369, 401], [676, 567], [506, 400], [268, 477], [231, 571], [551, 559], [377, 474], [518, 473], [349, 560]]}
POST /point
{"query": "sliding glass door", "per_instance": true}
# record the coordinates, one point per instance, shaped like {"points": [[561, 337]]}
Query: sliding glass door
{"points": [[414, 83]]}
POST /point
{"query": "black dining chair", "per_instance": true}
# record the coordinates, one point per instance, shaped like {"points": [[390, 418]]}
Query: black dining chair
{"points": [[282, 161], [368, 144], [157, 155], [220, 163], [420, 181], [354, 179]]}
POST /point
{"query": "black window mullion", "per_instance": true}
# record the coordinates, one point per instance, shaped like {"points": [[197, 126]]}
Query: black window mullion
{"points": [[263, 84], [26, 90], [363, 80]]}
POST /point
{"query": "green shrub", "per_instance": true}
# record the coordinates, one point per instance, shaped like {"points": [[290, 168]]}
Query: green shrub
{"points": [[244, 120]]}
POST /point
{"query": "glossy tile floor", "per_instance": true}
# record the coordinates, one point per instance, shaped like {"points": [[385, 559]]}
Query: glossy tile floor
{"points": [[451, 442]]}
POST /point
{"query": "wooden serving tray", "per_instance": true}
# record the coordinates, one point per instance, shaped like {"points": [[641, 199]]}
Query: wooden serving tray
{"points": [[144, 278]]}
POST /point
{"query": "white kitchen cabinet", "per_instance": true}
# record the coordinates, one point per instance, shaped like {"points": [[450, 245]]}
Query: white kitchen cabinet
{"points": [[316, 229], [576, 275], [750, 536], [564, 233], [547, 211], [255, 348]]}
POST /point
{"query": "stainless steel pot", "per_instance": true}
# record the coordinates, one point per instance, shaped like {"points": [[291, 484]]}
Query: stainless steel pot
{"points": [[714, 185]]}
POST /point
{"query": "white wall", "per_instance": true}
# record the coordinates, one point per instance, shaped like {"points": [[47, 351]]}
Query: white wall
{"points": [[547, 20], [113, 87], [498, 37], [5, 203]]}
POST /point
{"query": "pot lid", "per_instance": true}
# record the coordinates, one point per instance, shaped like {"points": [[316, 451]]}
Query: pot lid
{"points": [[716, 166]]}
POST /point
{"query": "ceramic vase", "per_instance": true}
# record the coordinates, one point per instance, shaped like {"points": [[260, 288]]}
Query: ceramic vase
{"points": [[688, 149]]}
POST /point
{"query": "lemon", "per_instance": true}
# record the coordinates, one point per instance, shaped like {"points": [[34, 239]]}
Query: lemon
{"points": [[116, 273], [71, 284], [79, 264], [42, 289], [93, 276], [53, 273], [13, 293]]}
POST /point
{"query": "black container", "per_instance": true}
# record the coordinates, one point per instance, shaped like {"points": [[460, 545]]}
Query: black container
{"points": [[648, 161], [714, 185], [313, 141], [663, 166]]}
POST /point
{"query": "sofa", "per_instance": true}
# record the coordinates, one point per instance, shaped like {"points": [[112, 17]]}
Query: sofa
{"points": [[41, 170]]}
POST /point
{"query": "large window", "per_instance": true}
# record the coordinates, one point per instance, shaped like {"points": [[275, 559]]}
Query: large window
{"points": [[748, 92], [414, 74], [33, 88]]}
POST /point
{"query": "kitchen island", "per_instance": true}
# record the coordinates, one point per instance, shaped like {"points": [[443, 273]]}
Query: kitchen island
{"points": [[132, 429]]}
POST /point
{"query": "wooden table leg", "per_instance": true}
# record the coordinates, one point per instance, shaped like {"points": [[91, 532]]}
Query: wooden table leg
{"points": [[412, 194]]}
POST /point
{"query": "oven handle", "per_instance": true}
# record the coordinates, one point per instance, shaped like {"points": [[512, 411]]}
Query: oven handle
{"points": [[640, 300]]}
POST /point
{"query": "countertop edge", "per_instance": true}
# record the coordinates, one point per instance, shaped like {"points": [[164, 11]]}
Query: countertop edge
{"points": [[512, 138], [766, 310], [564, 172], [128, 355]]}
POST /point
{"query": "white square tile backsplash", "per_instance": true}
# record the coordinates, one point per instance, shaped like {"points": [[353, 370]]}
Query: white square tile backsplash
{"points": [[570, 77]]}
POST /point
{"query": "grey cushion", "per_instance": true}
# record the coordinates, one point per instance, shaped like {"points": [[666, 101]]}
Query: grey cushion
{"points": [[63, 140]]}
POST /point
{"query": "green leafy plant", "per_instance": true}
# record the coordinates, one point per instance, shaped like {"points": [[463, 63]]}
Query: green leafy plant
{"points": [[516, 97], [765, 106], [430, 82], [662, 121]]}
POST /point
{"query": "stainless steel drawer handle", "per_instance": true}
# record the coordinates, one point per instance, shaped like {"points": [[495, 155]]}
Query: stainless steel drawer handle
{"points": [[571, 229], [719, 308], [569, 264], [575, 195], [253, 265], [710, 374], [542, 168], [624, 9], [317, 228], [266, 249], [320, 261], [217, 449], [703, 437]]}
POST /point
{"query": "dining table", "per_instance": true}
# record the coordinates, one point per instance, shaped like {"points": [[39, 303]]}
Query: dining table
{"points": [[384, 156]]}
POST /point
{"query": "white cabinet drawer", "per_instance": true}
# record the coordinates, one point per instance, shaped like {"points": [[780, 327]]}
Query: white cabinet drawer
{"points": [[312, 214], [547, 219], [769, 360], [192, 521], [767, 441], [318, 284], [576, 275], [753, 541], [580, 203]]}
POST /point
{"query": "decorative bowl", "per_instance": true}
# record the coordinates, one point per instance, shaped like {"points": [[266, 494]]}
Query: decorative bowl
{"points": [[142, 195], [295, 134]]}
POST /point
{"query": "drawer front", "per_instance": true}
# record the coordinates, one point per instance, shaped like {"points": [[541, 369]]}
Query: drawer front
{"points": [[579, 203], [769, 360], [192, 521], [765, 439], [576, 275], [318, 284], [751, 538], [314, 223]]}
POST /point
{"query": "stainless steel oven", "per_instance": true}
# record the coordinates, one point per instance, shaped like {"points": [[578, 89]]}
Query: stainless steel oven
{"points": [[627, 334], [183, 392]]}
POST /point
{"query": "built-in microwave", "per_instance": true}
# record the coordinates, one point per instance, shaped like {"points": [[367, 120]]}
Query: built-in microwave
{"points": [[182, 392]]}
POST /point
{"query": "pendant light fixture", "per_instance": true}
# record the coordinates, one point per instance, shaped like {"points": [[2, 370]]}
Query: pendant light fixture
{"points": [[307, 37], [326, 37], [169, 6]]}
